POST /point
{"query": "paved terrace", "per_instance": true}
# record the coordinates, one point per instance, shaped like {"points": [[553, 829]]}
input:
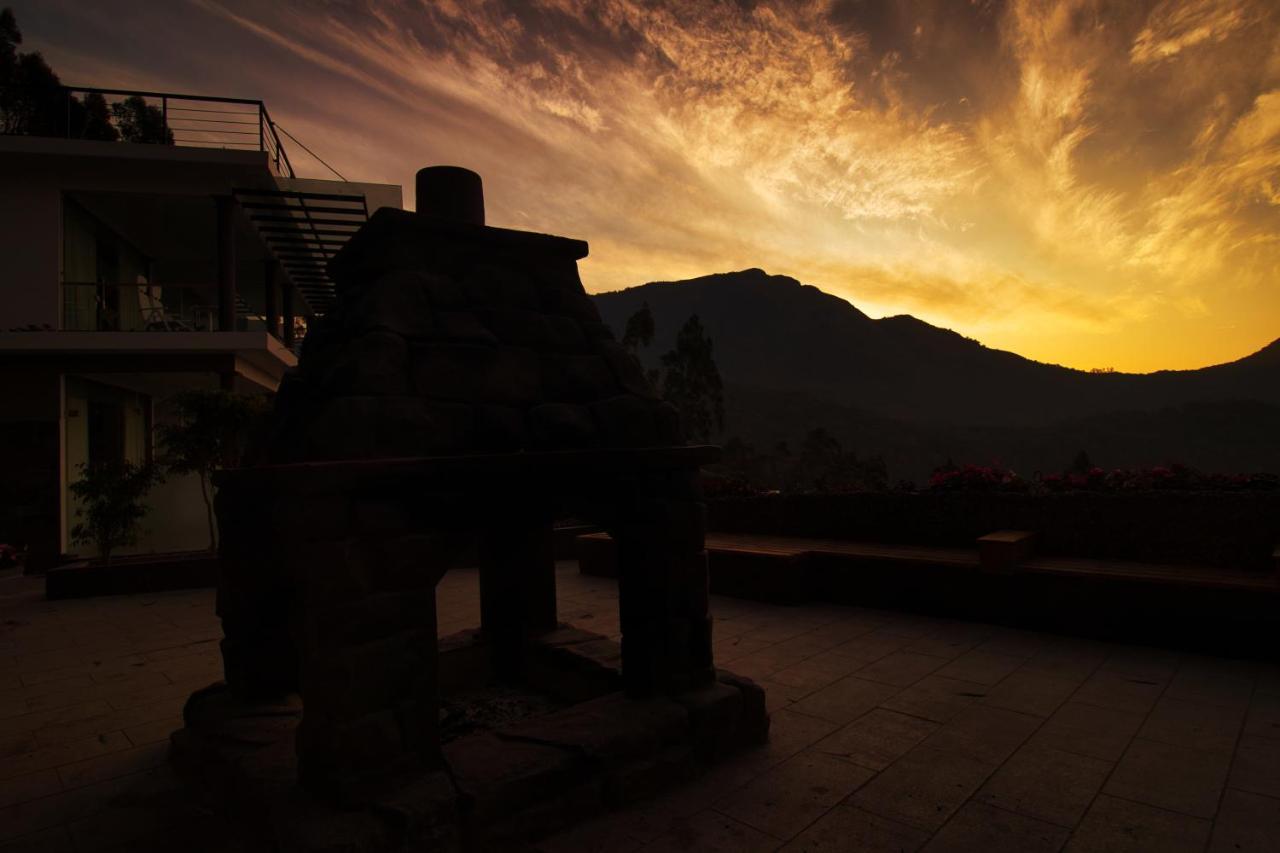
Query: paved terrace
{"points": [[890, 732]]}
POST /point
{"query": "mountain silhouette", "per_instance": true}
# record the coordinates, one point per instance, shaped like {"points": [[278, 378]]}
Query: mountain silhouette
{"points": [[794, 357]]}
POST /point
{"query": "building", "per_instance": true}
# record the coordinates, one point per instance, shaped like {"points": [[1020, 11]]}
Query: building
{"points": [[134, 270]]}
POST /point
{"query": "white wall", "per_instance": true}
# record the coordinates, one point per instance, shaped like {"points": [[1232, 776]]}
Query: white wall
{"points": [[176, 521]]}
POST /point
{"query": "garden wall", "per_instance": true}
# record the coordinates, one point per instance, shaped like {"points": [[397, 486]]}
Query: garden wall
{"points": [[1228, 529]]}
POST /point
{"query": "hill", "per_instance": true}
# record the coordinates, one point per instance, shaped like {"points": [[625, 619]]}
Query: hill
{"points": [[774, 333], [795, 357]]}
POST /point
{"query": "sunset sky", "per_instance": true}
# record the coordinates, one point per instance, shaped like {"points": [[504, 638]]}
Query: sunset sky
{"points": [[1095, 184]]}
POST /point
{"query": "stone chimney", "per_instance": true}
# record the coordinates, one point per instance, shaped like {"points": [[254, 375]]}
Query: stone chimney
{"points": [[453, 337], [450, 193]]}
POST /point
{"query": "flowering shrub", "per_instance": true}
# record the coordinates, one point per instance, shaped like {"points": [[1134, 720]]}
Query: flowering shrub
{"points": [[1176, 477], [977, 478], [1169, 477]]}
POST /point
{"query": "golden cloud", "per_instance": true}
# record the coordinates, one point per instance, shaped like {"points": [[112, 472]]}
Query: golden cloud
{"points": [[1072, 177]]}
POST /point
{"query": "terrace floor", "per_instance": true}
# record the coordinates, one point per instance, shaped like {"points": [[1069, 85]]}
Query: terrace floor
{"points": [[890, 732]]}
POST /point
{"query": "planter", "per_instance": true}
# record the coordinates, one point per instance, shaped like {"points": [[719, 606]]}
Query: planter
{"points": [[133, 574]]}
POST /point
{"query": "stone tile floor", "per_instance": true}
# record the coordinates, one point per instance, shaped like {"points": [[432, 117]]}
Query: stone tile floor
{"points": [[890, 732]]}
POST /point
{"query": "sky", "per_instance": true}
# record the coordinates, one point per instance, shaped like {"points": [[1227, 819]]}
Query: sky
{"points": [[1095, 184]]}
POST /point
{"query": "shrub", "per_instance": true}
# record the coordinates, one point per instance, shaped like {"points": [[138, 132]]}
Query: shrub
{"points": [[977, 478], [111, 496]]}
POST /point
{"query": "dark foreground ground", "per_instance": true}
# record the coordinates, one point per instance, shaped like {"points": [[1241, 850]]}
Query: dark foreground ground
{"points": [[890, 732]]}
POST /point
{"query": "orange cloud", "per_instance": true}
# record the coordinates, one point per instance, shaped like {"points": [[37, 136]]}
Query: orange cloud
{"points": [[1085, 182]]}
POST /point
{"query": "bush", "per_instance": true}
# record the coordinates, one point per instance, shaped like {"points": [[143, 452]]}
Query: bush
{"points": [[977, 478], [111, 496]]}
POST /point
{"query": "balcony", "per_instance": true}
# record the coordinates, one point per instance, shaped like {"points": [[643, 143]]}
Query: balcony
{"points": [[96, 307], [152, 118]]}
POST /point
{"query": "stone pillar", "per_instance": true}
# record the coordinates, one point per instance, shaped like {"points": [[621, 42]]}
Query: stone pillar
{"points": [[517, 586], [256, 596], [369, 667], [662, 594], [226, 263]]}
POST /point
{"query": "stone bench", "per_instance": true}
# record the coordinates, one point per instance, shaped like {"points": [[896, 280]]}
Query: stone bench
{"points": [[1001, 551], [1009, 583], [781, 569]]}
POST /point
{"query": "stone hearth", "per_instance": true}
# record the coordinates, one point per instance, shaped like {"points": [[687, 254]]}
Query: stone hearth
{"points": [[460, 396]]}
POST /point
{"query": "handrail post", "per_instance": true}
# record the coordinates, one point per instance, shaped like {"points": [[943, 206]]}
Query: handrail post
{"points": [[164, 118], [261, 135]]}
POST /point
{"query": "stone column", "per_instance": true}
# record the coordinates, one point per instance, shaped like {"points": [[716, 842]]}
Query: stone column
{"points": [[517, 586], [256, 598], [369, 667], [662, 592]]}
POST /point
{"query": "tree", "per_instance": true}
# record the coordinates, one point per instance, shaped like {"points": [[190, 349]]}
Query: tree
{"points": [[140, 122], [691, 381], [111, 496], [820, 458], [209, 434], [639, 330], [33, 101], [95, 121], [31, 95]]}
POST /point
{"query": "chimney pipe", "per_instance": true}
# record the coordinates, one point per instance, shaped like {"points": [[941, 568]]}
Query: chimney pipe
{"points": [[452, 193]]}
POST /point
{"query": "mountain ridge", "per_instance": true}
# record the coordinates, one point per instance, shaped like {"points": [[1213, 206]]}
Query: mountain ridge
{"points": [[775, 333]]}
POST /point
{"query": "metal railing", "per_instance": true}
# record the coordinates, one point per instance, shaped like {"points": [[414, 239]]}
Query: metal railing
{"points": [[164, 118], [96, 307], [99, 307]]}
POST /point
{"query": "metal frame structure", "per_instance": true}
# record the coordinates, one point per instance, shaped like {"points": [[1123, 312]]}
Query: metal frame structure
{"points": [[304, 230]]}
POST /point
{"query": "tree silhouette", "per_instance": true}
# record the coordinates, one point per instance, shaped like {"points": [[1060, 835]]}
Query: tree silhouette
{"points": [[140, 122], [639, 330], [33, 101], [691, 381], [30, 93]]}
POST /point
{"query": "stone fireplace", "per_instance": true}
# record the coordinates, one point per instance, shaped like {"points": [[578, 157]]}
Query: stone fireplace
{"points": [[461, 396]]}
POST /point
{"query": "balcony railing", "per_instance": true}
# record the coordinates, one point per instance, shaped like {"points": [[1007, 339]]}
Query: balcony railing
{"points": [[96, 307], [160, 118]]}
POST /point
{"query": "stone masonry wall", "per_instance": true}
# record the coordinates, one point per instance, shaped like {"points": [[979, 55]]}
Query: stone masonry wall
{"points": [[463, 347]]}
